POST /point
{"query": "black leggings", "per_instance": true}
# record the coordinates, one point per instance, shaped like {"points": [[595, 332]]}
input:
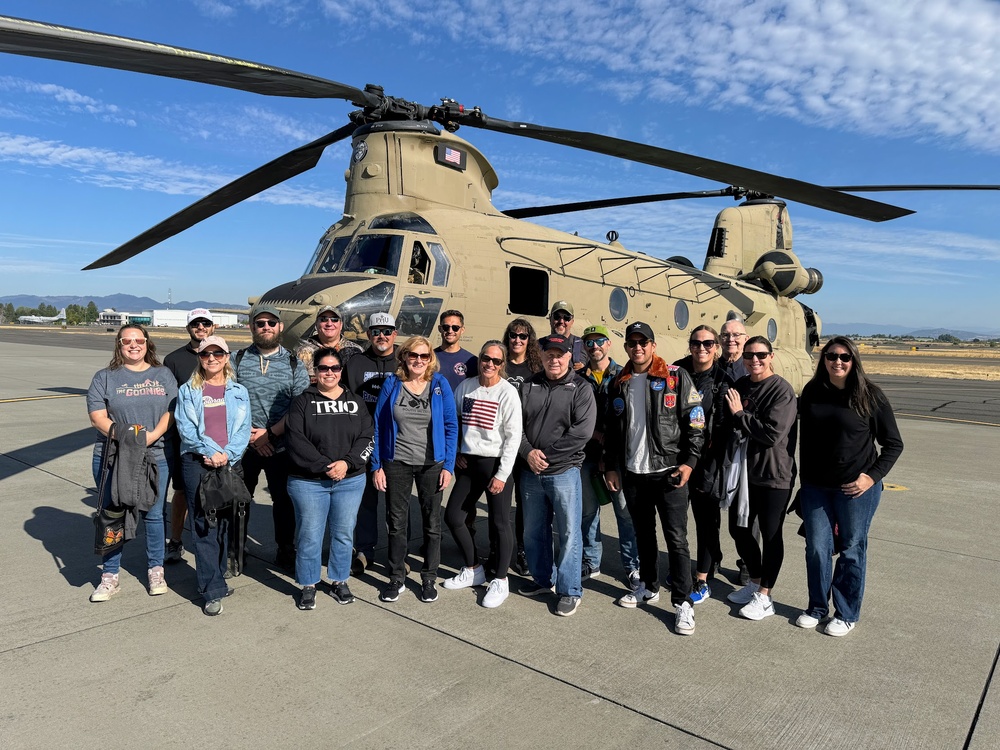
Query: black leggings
{"points": [[470, 484], [768, 506], [707, 522]]}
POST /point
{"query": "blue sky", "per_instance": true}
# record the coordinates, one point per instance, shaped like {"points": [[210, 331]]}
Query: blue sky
{"points": [[832, 92]]}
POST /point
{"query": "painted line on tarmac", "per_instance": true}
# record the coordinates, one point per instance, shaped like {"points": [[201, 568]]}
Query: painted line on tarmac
{"points": [[39, 398], [947, 419]]}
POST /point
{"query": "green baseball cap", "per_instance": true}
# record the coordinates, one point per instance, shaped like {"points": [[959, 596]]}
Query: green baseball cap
{"points": [[597, 331]]}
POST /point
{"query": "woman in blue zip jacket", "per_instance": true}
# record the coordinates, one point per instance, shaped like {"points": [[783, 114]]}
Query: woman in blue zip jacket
{"points": [[213, 420], [416, 436]]}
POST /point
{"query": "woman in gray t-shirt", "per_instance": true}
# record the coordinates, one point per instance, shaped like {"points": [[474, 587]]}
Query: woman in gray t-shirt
{"points": [[134, 390]]}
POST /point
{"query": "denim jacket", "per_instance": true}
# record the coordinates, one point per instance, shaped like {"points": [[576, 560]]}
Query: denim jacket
{"points": [[190, 419], [444, 422]]}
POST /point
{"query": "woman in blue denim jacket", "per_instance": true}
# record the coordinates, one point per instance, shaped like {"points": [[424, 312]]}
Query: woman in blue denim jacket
{"points": [[416, 436], [213, 420]]}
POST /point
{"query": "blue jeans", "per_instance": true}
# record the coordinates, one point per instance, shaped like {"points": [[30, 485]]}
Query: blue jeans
{"points": [[821, 509], [593, 546], [321, 504], [210, 544], [557, 497], [152, 519]]}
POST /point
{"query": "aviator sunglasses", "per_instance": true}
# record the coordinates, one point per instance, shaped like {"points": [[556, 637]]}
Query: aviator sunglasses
{"points": [[759, 355], [834, 356], [329, 368]]}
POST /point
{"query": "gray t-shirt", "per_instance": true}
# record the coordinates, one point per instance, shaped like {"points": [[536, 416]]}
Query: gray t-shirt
{"points": [[637, 460], [133, 397], [413, 428]]}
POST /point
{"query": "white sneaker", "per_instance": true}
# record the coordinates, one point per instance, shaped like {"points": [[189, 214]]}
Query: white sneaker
{"points": [[467, 577], [157, 585], [806, 620], [641, 595], [107, 588], [837, 627], [684, 619], [496, 593], [745, 594], [760, 606]]}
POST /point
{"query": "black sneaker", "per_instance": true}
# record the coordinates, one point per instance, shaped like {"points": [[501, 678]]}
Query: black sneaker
{"points": [[567, 605], [174, 553], [341, 593], [530, 588], [307, 599], [520, 565], [428, 591], [589, 572], [392, 591]]}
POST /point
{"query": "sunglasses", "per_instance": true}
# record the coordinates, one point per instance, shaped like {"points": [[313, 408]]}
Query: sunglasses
{"points": [[329, 368], [632, 343], [453, 329], [422, 356], [200, 324], [518, 336], [591, 343], [759, 355], [490, 360], [562, 318], [329, 319], [217, 353], [706, 343], [834, 356], [383, 332], [138, 340], [266, 323]]}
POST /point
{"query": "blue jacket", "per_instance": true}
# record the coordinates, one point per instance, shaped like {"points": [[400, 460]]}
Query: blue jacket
{"points": [[444, 422], [190, 419]]}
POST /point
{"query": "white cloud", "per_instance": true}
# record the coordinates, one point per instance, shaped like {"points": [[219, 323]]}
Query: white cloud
{"points": [[69, 99]]}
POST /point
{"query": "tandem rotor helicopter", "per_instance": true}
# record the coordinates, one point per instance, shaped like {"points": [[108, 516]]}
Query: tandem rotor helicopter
{"points": [[420, 233]]}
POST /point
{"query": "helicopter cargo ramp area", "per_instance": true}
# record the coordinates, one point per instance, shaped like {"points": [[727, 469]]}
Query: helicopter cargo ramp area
{"points": [[918, 672]]}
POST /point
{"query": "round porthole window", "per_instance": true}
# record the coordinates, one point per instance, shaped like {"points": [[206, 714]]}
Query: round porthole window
{"points": [[618, 303], [772, 330], [681, 314]]}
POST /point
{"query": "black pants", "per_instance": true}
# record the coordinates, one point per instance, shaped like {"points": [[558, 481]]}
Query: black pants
{"points": [[707, 522], [645, 496], [767, 506], [470, 484], [399, 479], [275, 470]]}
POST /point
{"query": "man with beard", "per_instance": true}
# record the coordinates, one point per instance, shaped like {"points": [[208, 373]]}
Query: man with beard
{"points": [[272, 376], [182, 362], [329, 334], [561, 324], [363, 375]]}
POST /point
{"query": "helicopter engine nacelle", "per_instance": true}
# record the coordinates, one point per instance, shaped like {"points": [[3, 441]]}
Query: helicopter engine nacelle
{"points": [[781, 272]]}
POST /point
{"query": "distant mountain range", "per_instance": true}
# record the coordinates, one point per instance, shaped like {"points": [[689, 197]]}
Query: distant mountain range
{"points": [[872, 329], [120, 302]]}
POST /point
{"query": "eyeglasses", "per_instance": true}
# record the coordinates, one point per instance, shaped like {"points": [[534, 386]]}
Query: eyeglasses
{"points": [[329, 368], [329, 319], [705, 343], [217, 353], [632, 343], [453, 329], [759, 355], [496, 362], [591, 343], [138, 341], [562, 318], [834, 356], [732, 335], [422, 356], [200, 324], [383, 332], [266, 323], [518, 336]]}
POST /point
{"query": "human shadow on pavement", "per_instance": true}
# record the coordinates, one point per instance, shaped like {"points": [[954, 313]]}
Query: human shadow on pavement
{"points": [[31, 456]]}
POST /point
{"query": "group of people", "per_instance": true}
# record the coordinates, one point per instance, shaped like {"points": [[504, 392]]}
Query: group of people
{"points": [[552, 422]]}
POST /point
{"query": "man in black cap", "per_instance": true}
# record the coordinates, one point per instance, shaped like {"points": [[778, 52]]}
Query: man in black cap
{"points": [[559, 414], [653, 440]]}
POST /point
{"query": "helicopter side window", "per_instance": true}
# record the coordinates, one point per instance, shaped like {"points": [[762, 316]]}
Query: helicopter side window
{"points": [[373, 253], [442, 266], [529, 292], [418, 315], [335, 253], [419, 265]]}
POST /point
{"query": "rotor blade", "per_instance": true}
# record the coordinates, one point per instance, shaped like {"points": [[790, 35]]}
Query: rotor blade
{"points": [[565, 208], [784, 187], [905, 188], [36, 39], [273, 173]]}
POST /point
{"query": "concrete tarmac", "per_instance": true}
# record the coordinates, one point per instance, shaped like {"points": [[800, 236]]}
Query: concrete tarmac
{"points": [[917, 672]]}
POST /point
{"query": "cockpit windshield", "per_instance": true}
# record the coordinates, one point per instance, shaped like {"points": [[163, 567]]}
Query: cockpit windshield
{"points": [[373, 253]]}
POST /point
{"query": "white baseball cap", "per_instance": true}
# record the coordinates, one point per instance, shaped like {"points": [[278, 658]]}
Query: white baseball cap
{"points": [[377, 320], [200, 312]]}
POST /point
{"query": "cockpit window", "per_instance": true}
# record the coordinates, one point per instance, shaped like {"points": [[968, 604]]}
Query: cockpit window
{"points": [[404, 221], [330, 261], [373, 253], [419, 265], [442, 266]]}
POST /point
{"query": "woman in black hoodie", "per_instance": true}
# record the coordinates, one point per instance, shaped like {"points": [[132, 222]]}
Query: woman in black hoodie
{"points": [[329, 433]]}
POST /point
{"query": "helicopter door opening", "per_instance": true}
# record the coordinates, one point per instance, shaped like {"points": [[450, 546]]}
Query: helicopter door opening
{"points": [[529, 292]]}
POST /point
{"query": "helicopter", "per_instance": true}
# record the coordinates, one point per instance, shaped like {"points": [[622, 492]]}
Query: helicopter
{"points": [[420, 234]]}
